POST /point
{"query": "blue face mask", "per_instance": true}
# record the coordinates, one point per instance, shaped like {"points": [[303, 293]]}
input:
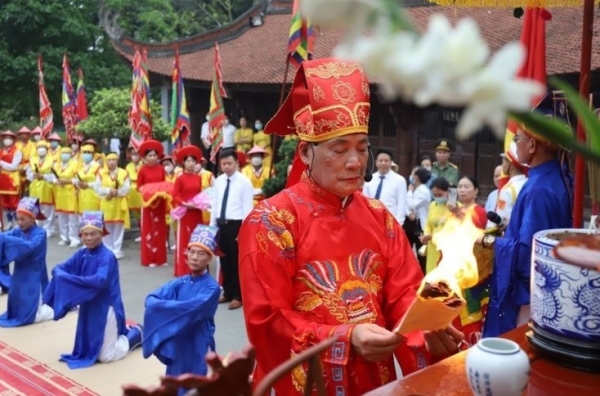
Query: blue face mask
{"points": [[87, 157], [258, 126], [54, 144], [441, 201], [411, 180], [65, 157]]}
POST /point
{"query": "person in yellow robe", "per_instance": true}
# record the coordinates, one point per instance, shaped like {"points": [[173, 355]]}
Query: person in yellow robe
{"points": [[208, 180], [436, 218], [134, 198], [112, 186], [65, 198], [256, 172], [27, 148], [243, 136], [263, 140], [55, 140], [86, 180], [171, 173], [39, 173]]}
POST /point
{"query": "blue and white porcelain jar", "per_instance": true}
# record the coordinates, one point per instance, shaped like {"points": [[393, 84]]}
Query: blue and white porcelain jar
{"points": [[565, 298], [497, 367]]}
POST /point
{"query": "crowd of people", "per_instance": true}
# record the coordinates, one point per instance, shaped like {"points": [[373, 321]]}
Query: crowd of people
{"points": [[330, 255]]}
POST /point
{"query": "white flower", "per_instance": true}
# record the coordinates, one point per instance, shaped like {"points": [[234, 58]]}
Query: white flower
{"points": [[494, 91], [326, 13]]}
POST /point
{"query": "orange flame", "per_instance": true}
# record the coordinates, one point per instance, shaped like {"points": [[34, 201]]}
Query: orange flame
{"points": [[458, 267]]}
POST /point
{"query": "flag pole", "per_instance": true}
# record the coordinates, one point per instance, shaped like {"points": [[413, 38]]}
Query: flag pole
{"points": [[281, 99], [584, 91]]}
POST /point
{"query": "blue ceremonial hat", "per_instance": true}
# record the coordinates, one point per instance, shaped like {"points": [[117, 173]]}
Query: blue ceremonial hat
{"points": [[554, 105], [93, 219], [31, 207], [204, 237]]}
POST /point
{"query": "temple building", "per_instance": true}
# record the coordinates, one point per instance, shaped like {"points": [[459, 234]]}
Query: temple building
{"points": [[253, 51]]}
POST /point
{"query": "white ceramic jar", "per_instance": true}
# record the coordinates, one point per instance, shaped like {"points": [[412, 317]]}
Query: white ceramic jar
{"points": [[497, 367]]}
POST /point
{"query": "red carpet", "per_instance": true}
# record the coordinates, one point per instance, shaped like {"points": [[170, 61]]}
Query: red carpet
{"points": [[22, 375]]}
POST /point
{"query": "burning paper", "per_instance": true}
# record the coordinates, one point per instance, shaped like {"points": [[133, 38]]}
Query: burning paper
{"points": [[439, 298]]}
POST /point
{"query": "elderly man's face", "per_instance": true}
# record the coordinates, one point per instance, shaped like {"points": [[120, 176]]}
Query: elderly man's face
{"points": [[338, 165]]}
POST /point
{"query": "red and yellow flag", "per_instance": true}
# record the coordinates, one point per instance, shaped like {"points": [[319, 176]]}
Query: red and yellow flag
{"points": [[46, 116], [216, 114]]}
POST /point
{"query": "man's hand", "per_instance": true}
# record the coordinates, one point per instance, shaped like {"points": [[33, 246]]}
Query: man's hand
{"points": [[82, 184], [39, 176], [374, 343], [443, 342], [425, 239]]}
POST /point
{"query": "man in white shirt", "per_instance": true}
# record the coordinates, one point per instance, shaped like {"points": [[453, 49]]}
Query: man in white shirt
{"points": [[205, 134], [492, 199], [387, 186], [233, 201], [228, 133], [517, 173]]}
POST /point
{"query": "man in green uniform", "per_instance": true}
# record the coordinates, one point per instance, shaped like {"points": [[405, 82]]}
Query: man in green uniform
{"points": [[442, 167]]}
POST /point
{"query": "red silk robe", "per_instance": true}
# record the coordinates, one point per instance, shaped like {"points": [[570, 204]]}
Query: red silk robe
{"points": [[311, 268]]}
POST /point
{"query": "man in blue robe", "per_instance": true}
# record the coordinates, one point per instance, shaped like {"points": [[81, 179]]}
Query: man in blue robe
{"points": [[90, 279], [26, 246], [543, 203], [179, 321]]}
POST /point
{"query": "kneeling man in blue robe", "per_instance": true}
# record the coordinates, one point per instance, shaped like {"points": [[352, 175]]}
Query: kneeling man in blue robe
{"points": [[90, 280], [179, 324], [26, 246]]}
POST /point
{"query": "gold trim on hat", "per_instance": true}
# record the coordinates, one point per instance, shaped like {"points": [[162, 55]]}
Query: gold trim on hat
{"points": [[333, 69]]}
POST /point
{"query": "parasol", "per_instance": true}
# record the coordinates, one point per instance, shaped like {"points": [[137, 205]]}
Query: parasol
{"points": [[584, 71]]}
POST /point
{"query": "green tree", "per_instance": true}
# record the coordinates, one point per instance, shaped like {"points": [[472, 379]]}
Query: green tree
{"points": [[286, 151], [52, 28], [109, 116], [166, 20]]}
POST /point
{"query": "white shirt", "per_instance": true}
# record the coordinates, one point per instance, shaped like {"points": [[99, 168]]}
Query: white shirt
{"points": [[228, 136], [205, 134], [240, 200], [393, 193], [508, 196], [115, 145], [418, 202], [14, 165], [492, 201]]}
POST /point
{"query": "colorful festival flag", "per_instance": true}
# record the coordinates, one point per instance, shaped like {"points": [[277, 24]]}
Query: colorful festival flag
{"points": [[46, 116], [81, 107], [140, 120], [180, 117], [216, 114], [69, 112], [301, 38]]}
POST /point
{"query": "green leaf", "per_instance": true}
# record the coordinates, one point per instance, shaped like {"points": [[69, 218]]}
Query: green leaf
{"points": [[556, 131], [584, 113]]}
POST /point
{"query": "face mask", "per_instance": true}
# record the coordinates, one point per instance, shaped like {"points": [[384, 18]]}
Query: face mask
{"points": [[441, 200], [256, 161], [7, 141], [411, 180], [74, 147], [258, 126], [226, 122], [65, 157], [135, 158], [53, 144], [428, 168], [42, 151], [207, 118], [168, 168], [36, 138], [87, 157]]}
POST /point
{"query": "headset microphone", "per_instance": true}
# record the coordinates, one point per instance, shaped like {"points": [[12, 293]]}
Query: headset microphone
{"points": [[369, 172]]}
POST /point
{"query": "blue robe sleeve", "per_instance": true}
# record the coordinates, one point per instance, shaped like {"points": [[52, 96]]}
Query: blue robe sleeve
{"points": [[14, 247], [165, 317], [67, 290]]}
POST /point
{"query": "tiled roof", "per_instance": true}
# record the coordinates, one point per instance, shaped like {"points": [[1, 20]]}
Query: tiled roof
{"points": [[257, 56]]}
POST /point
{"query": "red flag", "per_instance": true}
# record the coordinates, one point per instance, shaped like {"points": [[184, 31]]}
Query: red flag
{"points": [[216, 114], [533, 38], [46, 116], [180, 117], [140, 120], [68, 101], [82, 111]]}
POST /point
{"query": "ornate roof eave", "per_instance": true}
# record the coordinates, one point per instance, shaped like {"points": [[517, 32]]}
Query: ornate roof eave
{"points": [[109, 21]]}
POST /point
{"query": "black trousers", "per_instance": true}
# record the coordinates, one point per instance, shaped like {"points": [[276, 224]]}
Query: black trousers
{"points": [[227, 239], [411, 230]]}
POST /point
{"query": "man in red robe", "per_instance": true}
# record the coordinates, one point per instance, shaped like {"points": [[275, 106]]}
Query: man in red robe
{"points": [[320, 259]]}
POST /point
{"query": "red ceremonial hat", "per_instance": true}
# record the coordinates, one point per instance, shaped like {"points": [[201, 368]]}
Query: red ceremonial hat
{"points": [[24, 129], [188, 151], [330, 98], [150, 145], [36, 131], [8, 133]]}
